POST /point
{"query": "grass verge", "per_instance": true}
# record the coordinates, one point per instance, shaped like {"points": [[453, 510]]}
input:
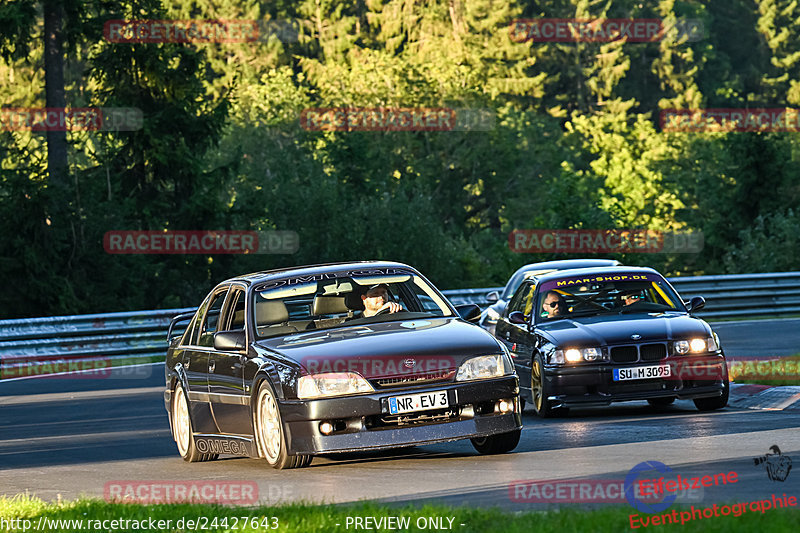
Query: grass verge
{"points": [[304, 518]]}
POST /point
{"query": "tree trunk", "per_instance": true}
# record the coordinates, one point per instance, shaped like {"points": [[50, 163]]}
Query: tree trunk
{"points": [[54, 97]]}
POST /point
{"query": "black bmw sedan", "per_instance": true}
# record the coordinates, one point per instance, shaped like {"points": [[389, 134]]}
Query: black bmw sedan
{"points": [[594, 336], [292, 363]]}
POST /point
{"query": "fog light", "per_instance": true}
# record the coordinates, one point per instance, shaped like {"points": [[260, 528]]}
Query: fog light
{"points": [[505, 406], [326, 428]]}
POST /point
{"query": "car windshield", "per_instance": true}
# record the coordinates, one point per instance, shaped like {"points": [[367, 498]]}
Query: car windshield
{"points": [[301, 304], [595, 294]]}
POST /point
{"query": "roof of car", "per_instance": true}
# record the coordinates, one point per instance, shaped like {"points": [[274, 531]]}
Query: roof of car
{"points": [[577, 272], [310, 270], [568, 264]]}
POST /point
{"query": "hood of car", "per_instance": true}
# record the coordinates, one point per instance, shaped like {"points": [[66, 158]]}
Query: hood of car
{"points": [[612, 330], [387, 349]]}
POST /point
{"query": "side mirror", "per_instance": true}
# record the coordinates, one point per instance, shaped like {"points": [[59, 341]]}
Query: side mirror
{"points": [[492, 297], [516, 317], [229, 341], [469, 312], [698, 302]]}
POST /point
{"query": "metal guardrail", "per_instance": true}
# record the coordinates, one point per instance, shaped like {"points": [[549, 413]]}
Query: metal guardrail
{"points": [[141, 335]]}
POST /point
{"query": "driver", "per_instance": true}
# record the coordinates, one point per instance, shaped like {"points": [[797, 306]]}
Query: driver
{"points": [[554, 304], [631, 297], [376, 299]]}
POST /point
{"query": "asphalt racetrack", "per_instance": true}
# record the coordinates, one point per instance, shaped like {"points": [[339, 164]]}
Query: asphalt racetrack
{"points": [[70, 437]]}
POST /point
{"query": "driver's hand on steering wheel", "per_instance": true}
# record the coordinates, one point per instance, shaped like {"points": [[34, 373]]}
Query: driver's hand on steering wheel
{"points": [[390, 307]]}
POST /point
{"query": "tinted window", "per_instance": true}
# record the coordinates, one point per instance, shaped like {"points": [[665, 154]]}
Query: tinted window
{"points": [[235, 313], [211, 320]]}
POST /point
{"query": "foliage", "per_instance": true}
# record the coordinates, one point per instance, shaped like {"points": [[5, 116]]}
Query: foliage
{"points": [[573, 141]]}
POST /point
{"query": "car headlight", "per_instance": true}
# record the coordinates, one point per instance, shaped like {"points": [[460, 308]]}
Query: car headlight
{"points": [[485, 366], [331, 384], [492, 316], [696, 345], [575, 355], [681, 347]]}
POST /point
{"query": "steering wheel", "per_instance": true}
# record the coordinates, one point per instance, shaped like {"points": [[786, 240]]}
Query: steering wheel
{"points": [[382, 311]]}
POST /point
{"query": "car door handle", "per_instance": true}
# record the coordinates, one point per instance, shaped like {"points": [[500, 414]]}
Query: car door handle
{"points": [[212, 365]]}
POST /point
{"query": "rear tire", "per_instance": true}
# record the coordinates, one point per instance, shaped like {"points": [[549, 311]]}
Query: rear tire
{"points": [[182, 430], [269, 432], [494, 444]]}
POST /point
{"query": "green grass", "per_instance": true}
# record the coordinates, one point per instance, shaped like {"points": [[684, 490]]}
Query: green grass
{"points": [[751, 376], [304, 518]]}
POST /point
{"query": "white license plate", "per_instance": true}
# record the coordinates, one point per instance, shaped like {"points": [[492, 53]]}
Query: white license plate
{"points": [[641, 372], [418, 402]]}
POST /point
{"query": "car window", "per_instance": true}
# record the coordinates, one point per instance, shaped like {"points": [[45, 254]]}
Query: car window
{"points": [[193, 329], [327, 303], [519, 299], [211, 320], [617, 293], [234, 316]]}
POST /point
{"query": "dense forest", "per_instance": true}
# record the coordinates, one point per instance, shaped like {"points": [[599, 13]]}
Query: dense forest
{"points": [[574, 140]]}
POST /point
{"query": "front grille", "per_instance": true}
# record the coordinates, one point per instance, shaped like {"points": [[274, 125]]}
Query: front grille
{"points": [[416, 379], [638, 352], [411, 419], [652, 352], [624, 354]]}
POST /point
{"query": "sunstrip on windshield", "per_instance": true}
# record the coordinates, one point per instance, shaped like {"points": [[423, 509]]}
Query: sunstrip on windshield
{"points": [[598, 278], [330, 275]]}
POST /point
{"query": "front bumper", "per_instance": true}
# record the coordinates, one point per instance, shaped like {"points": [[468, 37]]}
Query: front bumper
{"points": [[584, 386], [360, 422]]}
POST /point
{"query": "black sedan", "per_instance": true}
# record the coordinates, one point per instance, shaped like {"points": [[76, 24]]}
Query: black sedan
{"points": [[591, 337], [498, 300], [288, 364]]}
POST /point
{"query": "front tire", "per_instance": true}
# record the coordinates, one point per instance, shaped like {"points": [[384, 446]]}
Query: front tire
{"points": [[661, 402], [540, 391], [270, 436], [494, 444], [711, 404], [182, 430]]}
